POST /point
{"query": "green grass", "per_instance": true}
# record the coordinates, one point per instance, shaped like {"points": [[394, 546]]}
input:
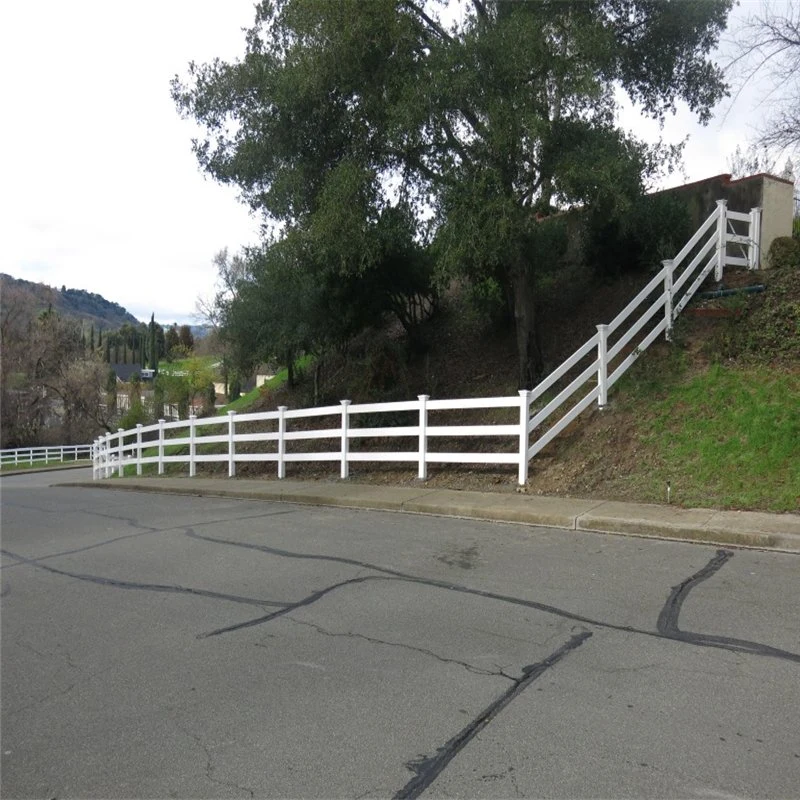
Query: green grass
{"points": [[182, 365], [731, 438], [243, 402], [44, 464]]}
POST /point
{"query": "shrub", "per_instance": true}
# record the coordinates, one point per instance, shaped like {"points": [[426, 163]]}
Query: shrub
{"points": [[784, 253]]}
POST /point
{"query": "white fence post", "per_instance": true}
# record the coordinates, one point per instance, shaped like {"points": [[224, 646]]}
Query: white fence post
{"points": [[722, 232], [345, 469], [161, 447], [602, 365], [754, 235], [121, 466], [669, 266], [524, 415], [422, 471], [93, 452], [281, 441], [192, 446], [138, 448], [231, 444]]}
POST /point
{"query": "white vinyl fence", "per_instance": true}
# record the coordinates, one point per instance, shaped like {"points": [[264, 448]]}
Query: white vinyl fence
{"points": [[347, 433], [23, 456]]}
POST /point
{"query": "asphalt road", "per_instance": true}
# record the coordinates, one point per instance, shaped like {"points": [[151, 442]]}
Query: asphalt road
{"points": [[159, 646]]}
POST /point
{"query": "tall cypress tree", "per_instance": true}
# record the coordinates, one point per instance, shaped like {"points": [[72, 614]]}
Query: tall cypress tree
{"points": [[153, 348]]}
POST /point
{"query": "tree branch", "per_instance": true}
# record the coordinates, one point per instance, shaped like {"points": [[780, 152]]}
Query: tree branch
{"points": [[481, 9], [431, 23]]}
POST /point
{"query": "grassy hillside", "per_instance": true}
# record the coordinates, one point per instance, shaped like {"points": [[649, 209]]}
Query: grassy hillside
{"points": [[716, 413]]}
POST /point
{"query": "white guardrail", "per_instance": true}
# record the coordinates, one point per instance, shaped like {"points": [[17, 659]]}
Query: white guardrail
{"points": [[22, 456], [599, 363]]}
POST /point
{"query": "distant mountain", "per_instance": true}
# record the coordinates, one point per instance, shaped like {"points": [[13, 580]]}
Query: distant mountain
{"points": [[75, 303]]}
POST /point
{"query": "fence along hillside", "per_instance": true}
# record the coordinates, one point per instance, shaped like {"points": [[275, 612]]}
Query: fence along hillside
{"points": [[345, 434]]}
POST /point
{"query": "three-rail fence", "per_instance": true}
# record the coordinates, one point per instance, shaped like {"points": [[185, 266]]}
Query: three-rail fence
{"points": [[349, 432]]}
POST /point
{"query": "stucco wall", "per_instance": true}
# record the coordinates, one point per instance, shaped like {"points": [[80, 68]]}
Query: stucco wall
{"points": [[773, 195], [776, 217]]}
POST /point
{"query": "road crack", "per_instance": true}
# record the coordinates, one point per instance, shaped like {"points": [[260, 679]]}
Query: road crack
{"points": [[350, 634]]}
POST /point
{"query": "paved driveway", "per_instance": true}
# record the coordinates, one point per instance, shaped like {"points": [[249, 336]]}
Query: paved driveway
{"points": [[157, 646]]}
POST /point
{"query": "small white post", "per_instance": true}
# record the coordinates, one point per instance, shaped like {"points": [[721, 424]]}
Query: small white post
{"points": [[722, 238], [282, 441], [93, 452], [192, 446], [161, 447], [121, 466], [231, 444], [669, 266], [524, 415], [138, 448], [602, 365], [16, 457], [62, 455], [754, 234], [30, 455], [344, 472], [422, 471]]}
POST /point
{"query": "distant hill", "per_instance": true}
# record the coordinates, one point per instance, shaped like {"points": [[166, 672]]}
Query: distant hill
{"points": [[75, 303]]}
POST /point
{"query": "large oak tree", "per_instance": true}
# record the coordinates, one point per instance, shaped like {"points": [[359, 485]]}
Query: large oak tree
{"points": [[482, 122]]}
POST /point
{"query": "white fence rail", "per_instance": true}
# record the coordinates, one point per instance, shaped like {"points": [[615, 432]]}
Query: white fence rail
{"points": [[531, 420], [26, 456]]}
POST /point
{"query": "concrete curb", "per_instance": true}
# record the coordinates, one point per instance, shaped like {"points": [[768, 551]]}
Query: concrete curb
{"points": [[708, 526]]}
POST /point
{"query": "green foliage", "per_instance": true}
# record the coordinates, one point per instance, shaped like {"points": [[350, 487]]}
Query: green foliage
{"points": [[135, 415], [653, 229], [171, 343], [186, 338], [768, 330], [784, 253], [341, 111]]}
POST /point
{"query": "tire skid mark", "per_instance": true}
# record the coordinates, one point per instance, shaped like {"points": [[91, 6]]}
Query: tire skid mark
{"points": [[667, 623], [680, 592], [306, 601], [428, 769], [147, 587]]}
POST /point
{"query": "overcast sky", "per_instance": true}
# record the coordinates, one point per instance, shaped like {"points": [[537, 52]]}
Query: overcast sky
{"points": [[99, 188]]}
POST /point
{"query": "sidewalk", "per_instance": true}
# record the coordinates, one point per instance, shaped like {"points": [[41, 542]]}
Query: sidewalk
{"points": [[738, 528]]}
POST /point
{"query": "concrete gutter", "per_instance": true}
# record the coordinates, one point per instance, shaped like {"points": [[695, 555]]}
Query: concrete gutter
{"points": [[736, 528]]}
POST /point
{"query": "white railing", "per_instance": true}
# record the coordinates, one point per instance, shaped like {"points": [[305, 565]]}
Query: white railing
{"points": [[274, 436], [23, 456]]}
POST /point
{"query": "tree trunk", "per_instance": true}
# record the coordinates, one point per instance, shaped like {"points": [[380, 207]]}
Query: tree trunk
{"points": [[529, 355]]}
